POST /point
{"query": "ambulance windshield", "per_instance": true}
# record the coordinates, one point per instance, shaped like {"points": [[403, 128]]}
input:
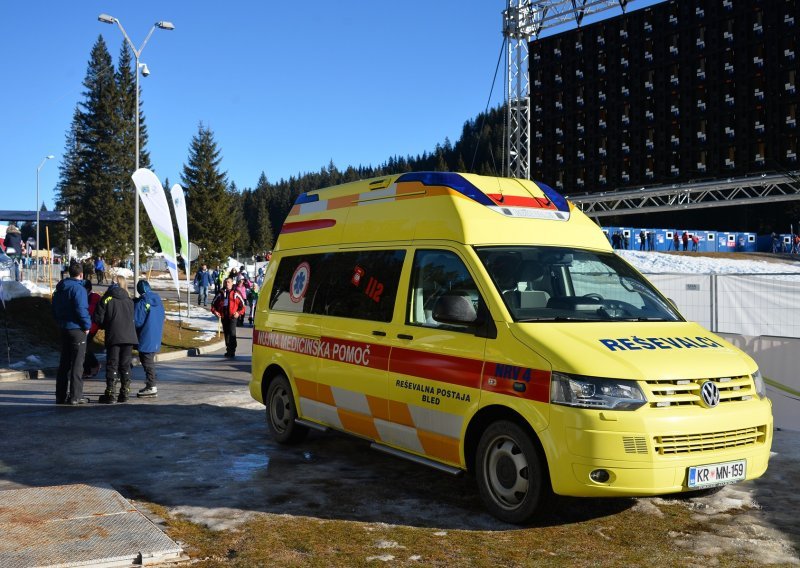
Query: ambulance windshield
{"points": [[539, 283]]}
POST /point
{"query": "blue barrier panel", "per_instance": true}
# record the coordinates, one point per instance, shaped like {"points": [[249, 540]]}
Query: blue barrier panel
{"points": [[746, 242], [708, 241], [726, 242], [664, 239], [764, 243]]}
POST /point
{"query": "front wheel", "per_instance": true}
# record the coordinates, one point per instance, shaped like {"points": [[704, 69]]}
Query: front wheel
{"points": [[512, 477], [281, 412]]}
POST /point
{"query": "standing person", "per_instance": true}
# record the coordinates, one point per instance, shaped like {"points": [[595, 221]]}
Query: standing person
{"points": [[242, 286], [71, 312], [114, 314], [13, 244], [676, 239], [148, 317], [685, 240], [228, 306], [642, 239], [649, 236], [215, 279], [218, 284], [695, 242], [100, 270], [202, 280], [90, 363], [252, 299], [88, 269]]}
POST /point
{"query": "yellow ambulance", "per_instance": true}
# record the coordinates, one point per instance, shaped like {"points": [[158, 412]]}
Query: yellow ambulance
{"points": [[484, 324]]}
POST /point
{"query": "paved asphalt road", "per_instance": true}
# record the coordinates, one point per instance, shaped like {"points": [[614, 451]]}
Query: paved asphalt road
{"points": [[201, 449]]}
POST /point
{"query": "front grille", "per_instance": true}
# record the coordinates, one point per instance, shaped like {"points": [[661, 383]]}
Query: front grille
{"points": [[710, 441], [686, 392]]}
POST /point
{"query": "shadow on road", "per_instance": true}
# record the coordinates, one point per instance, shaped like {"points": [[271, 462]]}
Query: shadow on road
{"points": [[197, 456]]}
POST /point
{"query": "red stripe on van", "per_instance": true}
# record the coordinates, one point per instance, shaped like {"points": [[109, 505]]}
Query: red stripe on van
{"points": [[314, 224], [536, 385], [454, 370], [520, 201], [355, 352]]}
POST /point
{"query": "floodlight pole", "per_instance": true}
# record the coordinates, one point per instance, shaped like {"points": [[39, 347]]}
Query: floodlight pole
{"points": [[106, 19], [38, 169]]}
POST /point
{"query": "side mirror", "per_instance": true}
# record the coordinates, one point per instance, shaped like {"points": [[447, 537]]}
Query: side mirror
{"points": [[455, 309]]}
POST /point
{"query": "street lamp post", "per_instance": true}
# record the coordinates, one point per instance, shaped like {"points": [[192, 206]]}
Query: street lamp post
{"points": [[44, 161], [106, 19]]}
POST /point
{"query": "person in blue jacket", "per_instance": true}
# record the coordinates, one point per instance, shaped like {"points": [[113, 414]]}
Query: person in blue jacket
{"points": [[71, 312], [203, 280], [148, 317]]}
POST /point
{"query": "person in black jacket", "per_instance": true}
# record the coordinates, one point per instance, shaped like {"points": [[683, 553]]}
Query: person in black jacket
{"points": [[114, 313]]}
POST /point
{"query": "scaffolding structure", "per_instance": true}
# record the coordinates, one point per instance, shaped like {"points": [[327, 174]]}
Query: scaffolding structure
{"points": [[766, 188], [523, 20]]}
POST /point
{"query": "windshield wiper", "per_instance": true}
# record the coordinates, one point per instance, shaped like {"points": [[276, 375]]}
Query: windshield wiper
{"points": [[557, 318]]}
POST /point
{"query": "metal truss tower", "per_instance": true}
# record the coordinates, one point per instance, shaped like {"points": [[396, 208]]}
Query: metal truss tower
{"points": [[522, 20]]}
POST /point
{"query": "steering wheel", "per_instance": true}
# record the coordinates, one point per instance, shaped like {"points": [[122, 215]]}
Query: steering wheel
{"points": [[594, 296]]}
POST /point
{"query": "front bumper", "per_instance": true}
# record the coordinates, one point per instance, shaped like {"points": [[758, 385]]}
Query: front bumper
{"points": [[649, 452]]}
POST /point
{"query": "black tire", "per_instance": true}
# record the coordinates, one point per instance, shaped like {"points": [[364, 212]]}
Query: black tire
{"points": [[512, 476], [281, 412]]}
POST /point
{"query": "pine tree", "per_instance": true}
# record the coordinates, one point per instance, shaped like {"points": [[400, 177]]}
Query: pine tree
{"points": [[241, 236], [70, 188], [102, 203], [261, 228], [207, 199]]}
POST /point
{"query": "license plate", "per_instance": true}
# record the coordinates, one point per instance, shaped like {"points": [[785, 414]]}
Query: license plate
{"points": [[716, 474]]}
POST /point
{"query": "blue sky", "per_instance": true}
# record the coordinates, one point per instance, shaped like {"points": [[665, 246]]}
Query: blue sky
{"points": [[285, 86]]}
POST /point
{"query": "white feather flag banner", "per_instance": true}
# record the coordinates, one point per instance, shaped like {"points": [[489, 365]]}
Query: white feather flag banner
{"points": [[152, 194], [179, 204]]}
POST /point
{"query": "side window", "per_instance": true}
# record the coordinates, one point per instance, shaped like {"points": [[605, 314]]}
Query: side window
{"points": [[438, 277], [297, 284], [362, 285]]}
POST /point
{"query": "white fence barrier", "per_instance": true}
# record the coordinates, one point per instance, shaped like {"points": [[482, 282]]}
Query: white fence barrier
{"points": [[747, 304]]}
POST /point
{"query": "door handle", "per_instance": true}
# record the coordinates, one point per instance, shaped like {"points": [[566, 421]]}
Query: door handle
{"points": [[404, 336], [379, 333]]}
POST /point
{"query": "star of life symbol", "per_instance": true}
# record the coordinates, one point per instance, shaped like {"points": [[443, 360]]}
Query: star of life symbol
{"points": [[299, 283]]}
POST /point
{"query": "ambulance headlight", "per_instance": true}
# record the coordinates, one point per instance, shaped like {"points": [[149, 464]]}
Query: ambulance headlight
{"points": [[595, 392], [758, 381]]}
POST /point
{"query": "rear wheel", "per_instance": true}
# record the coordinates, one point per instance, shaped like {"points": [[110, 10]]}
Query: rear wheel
{"points": [[281, 412], [512, 477]]}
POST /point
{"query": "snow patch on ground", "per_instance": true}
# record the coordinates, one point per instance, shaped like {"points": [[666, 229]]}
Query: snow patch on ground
{"points": [[218, 518], [650, 262], [388, 544], [12, 290], [30, 362]]}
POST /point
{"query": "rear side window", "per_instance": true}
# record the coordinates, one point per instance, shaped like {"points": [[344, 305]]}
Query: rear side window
{"points": [[297, 283], [358, 284]]}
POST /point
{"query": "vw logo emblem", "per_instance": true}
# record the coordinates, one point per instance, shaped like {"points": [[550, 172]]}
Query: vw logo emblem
{"points": [[710, 394]]}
